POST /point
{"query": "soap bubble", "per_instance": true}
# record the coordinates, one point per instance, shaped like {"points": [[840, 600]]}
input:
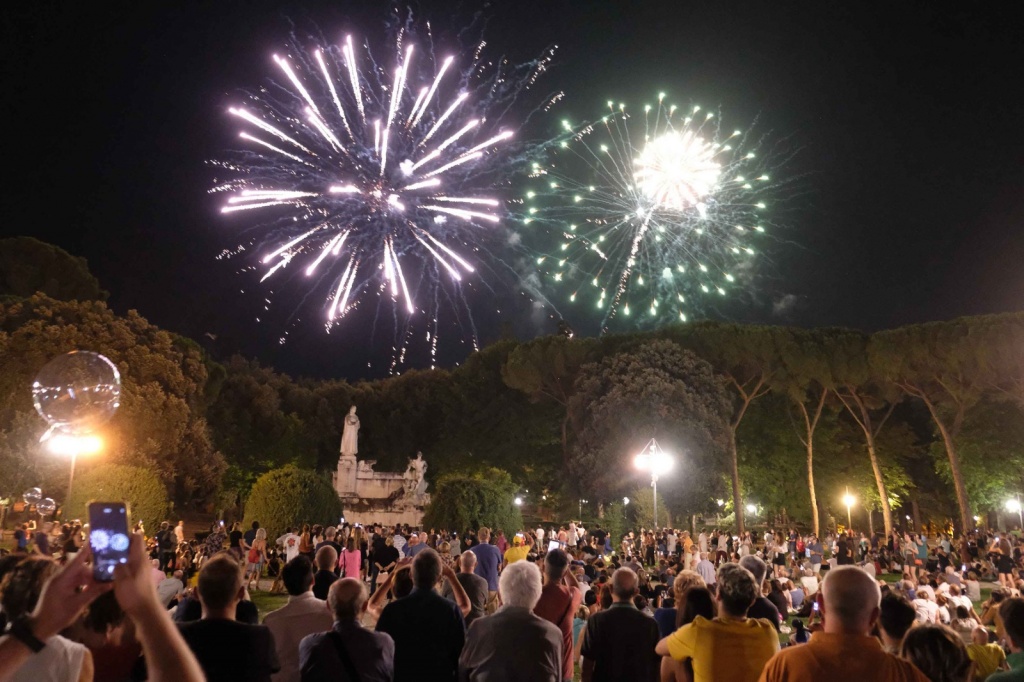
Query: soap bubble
{"points": [[46, 506], [33, 496], [77, 392]]}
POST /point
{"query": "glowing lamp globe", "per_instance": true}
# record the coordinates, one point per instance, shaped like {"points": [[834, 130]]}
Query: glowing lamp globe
{"points": [[77, 392]]}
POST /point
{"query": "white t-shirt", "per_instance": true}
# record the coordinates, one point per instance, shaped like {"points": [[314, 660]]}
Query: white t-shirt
{"points": [[290, 542], [670, 543], [59, 661], [571, 538], [723, 542], [927, 610], [702, 542], [399, 541]]}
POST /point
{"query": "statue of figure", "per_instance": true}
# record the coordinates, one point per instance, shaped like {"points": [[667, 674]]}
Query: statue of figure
{"points": [[350, 436], [415, 481]]}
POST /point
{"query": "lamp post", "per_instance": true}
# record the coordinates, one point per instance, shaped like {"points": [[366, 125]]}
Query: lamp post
{"points": [[582, 502], [519, 501], [849, 500], [1014, 505], [657, 462], [70, 445]]}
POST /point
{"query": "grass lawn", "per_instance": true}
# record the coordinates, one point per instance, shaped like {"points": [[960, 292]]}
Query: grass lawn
{"points": [[267, 602], [986, 592]]}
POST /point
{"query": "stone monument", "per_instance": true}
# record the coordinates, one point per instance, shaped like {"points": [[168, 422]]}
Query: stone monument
{"points": [[370, 496]]}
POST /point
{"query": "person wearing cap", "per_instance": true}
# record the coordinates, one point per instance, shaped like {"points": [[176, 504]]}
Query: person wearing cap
{"points": [[517, 552]]}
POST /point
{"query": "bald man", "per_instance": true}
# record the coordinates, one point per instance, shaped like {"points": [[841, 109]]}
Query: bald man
{"points": [[474, 585], [850, 603], [347, 651], [618, 642]]}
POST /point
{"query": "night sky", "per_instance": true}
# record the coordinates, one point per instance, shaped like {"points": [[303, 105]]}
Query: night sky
{"points": [[906, 121]]}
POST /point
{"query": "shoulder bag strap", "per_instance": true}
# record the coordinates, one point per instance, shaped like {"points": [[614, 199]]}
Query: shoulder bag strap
{"points": [[346, 660]]}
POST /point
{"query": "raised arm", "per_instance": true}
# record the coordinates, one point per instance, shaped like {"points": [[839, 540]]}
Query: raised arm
{"points": [[461, 598]]}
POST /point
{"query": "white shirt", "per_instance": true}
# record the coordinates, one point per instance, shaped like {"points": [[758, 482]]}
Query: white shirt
{"points": [[59, 661], [168, 589], [303, 615], [702, 542], [290, 542], [723, 542], [571, 539], [670, 543], [927, 610], [179, 534], [399, 542]]}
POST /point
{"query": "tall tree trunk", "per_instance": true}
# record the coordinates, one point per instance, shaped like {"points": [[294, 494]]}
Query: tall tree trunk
{"points": [[915, 510], [810, 484], [871, 523], [863, 418], [962, 500], [883, 493], [737, 498]]}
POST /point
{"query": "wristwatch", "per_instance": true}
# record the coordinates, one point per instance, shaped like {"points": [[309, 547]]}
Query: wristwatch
{"points": [[21, 630]]}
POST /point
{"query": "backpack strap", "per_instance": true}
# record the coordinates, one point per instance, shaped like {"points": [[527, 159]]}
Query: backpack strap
{"points": [[346, 660]]}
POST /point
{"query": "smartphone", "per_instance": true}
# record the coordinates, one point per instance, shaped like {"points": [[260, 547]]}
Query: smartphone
{"points": [[108, 537], [816, 606], [553, 545]]}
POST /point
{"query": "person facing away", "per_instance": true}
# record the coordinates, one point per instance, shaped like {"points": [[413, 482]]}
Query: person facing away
{"points": [[618, 642], [938, 653], [303, 615], [428, 630], [987, 658], [762, 606], [514, 643], [732, 646], [326, 559], [225, 648], [895, 617], [1011, 628], [559, 599], [488, 560], [474, 585], [844, 649], [348, 652]]}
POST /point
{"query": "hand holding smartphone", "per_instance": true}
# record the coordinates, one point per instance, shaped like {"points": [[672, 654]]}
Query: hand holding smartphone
{"points": [[108, 538]]}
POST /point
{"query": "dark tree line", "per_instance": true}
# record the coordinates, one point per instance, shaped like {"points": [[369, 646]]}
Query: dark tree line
{"points": [[925, 418]]}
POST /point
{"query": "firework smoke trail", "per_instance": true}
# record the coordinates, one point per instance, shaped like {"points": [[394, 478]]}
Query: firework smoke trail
{"points": [[651, 214], [377, 178]]}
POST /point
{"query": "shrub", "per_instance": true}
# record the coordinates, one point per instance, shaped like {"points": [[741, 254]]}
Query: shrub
{"points": [[291, 496], [138, 487]]}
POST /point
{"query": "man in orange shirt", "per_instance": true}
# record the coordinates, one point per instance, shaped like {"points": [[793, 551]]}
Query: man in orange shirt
{"points": [[844, 650]]}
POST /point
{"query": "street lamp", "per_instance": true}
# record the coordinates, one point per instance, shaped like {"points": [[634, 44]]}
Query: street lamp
{"points": [[849, 500], [1014, 505], [519, 501], [657, 462], [582, 502], [68, 445], [751, 508]]}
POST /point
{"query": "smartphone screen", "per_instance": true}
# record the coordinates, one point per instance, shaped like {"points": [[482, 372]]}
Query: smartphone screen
{"points": [[108, 537], [815, 606], [553, 545]]}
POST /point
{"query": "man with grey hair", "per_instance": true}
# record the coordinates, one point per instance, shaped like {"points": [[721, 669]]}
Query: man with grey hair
{"points": [[845, 650], [348, 651], [762, 608], [618, 642], [706, 569], [514, 643], [749, 641]]}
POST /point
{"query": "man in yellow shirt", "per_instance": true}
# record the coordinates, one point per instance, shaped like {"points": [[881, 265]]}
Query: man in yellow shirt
{"points": [[987, 658], [845, 650], [730, 647], [518, 550]]}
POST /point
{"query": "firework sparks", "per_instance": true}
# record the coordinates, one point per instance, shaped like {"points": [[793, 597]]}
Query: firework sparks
{"points": [[376, 177], [652, 213]]}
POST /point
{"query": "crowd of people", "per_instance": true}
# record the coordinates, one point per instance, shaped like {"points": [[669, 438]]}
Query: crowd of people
{"points": [[400, 603]]}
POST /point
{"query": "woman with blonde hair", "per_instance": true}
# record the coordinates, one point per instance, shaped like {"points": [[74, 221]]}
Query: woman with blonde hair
{"points": [[256, 559], [667, 617]]}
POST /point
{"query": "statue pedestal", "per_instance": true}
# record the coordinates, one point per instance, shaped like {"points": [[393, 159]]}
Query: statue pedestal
{"points": [[369, 496]]}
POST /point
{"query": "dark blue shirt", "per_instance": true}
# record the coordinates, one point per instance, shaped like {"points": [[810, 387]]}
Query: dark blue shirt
{"points": [[488, 559], [428, 631]]}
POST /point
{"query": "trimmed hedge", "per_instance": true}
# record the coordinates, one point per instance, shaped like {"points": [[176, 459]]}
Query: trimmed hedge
{"points": [[291, 496]]}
